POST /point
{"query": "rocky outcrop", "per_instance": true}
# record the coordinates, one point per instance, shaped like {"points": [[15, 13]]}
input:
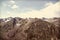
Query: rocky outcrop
{"points": [[28, 29]]}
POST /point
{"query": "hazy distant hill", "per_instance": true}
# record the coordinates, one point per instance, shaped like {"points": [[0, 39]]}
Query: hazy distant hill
{"points": [[29, 29]]}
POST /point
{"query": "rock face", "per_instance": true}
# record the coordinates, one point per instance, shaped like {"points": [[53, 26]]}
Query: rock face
{"points": [[28, 29]]}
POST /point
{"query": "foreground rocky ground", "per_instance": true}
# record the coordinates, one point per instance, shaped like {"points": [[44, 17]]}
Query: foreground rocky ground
{"points": [[29, 29]]}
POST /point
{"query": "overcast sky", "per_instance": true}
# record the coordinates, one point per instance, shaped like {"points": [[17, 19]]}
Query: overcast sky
{"points": [[29, 8]]}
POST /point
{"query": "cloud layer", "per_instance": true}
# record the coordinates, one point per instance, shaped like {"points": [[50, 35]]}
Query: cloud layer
{"points": [[51, 10], [26, 9]]}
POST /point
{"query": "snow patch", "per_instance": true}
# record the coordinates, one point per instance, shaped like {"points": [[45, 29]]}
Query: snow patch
{"points": [[18, 24], [7, 20]]}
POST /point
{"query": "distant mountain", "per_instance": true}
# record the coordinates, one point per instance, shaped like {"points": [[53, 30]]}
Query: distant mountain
{"points": [[29, 29]]}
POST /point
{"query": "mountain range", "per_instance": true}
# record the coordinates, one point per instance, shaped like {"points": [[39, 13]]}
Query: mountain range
{"points": [[29, 28]]}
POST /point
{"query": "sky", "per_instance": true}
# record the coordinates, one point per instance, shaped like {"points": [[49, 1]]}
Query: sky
{"points": [[29, 8]]}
